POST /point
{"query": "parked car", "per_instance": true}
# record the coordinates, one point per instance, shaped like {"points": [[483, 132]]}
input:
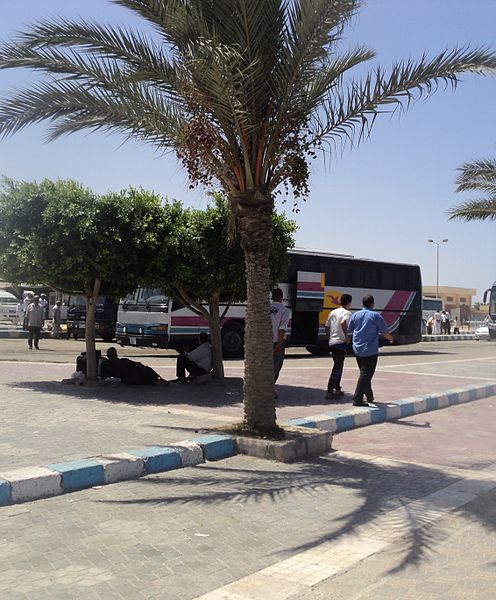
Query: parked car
{"points": [[482, 333]]}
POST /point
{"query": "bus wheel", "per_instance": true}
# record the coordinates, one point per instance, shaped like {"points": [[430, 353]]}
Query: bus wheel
{"points": [[319, 350], [233, 340]]}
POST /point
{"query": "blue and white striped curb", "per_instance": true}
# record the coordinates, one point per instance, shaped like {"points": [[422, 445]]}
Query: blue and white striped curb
{"points": [[13, 333], [343, 420], [20, 333], [33, 483], [448, 338]]}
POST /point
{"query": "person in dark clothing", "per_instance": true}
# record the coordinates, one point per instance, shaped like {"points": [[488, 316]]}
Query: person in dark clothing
{"points": [[129, 371], [365, 327]]}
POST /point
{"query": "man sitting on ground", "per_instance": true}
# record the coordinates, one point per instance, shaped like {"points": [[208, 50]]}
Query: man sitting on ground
{"points": [[197, 362], [129, 371]]}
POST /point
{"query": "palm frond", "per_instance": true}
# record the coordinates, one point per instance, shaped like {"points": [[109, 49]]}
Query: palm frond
{"points": [[477, 175], [356, 105], [128, 107], [475, 210], [46, 45]]}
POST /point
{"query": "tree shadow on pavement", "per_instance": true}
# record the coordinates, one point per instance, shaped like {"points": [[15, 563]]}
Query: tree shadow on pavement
{"points": [[227, 392], [346, 495], [215, 393]]}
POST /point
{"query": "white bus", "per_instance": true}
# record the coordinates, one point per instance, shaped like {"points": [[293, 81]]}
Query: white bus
{"points": [[429, 307], [314, 284]]}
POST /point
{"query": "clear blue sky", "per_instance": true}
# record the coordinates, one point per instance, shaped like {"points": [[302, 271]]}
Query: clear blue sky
{"points": [[382, 200]]}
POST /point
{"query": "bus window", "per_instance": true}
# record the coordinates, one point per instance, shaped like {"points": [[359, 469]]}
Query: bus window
{"points": [[371, 277], [338, 274]]}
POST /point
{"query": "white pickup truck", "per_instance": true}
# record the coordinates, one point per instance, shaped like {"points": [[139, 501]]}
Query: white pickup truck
{"points": [[8, 307]]}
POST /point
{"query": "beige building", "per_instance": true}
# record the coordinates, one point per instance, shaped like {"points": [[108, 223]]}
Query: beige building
{"points": [[457, 301]]}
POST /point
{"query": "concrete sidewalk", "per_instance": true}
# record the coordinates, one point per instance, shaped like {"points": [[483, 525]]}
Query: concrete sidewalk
{"points": [[47, 422]]}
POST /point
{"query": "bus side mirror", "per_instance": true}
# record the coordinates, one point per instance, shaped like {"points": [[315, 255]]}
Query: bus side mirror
{"points": [[485, 295]]}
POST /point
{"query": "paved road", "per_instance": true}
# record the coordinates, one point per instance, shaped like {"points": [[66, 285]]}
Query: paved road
{"points": [[44, 421], [181, 535], [399, 510]]}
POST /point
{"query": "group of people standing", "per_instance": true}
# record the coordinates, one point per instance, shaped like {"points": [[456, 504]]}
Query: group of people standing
{"points": [[363, 328], [440, 323]]}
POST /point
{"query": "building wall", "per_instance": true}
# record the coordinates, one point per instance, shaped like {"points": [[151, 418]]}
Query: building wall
{"points": [[457, 301]]}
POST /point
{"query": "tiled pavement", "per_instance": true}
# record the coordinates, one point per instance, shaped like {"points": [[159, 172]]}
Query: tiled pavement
{"points": [[187, 533], [180, 535], [458, 564], [44, 421]]}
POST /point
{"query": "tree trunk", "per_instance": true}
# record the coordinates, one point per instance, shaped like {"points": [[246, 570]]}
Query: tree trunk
{"points": [[213, 318], [215, 337], [253, 213], [90, 297]]}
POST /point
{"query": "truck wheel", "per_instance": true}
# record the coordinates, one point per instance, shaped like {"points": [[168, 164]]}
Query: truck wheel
{"points": [[233, 340]]}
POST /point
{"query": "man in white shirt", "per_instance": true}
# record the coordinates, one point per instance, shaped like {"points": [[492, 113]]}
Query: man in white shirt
{"points": [[35, 317], [279, 315], [337, 329], [56, 318], [436, 326], [197, 362]]}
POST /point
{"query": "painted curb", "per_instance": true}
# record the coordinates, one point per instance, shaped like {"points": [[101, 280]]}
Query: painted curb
{"points": [[448, 338], [34, 483], [344, 420], [21, 334], [158, 459], [79, 474], [216, 447]]}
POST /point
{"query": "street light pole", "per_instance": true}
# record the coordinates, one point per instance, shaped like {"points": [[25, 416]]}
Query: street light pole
{"points": [[437, 262]]}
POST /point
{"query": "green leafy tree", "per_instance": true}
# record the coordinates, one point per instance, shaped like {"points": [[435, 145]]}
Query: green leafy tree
{"points": [[63, 235], [245, 92], [477, 176], [202, 268]]}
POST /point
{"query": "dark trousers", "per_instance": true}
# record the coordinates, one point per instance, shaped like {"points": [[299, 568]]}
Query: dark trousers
{"points": [[185, 364], [34, 334], [338, 352], [278, 361], [367, 365]]}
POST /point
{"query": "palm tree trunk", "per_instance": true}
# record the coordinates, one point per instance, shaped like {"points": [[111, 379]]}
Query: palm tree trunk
{"points": [[254, 221]]}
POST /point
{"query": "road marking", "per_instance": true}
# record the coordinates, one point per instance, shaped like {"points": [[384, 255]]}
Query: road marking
{"points": [[436, 362], [439, 375]]}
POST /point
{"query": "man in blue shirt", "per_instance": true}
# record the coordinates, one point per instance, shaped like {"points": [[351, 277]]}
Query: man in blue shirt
{"points": [[365, 327]]}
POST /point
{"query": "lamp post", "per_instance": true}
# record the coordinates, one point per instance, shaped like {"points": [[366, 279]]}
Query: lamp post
{"points": [[437, 262]]}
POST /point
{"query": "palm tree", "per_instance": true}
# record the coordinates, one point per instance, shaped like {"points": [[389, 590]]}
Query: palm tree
{"points": [[479, 176], [244, 91]]}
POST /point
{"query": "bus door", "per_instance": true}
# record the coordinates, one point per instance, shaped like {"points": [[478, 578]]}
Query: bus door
{"points": [[308, 301]]}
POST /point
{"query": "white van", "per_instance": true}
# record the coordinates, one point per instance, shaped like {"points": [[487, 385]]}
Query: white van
{"points": [[8, 307]]}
